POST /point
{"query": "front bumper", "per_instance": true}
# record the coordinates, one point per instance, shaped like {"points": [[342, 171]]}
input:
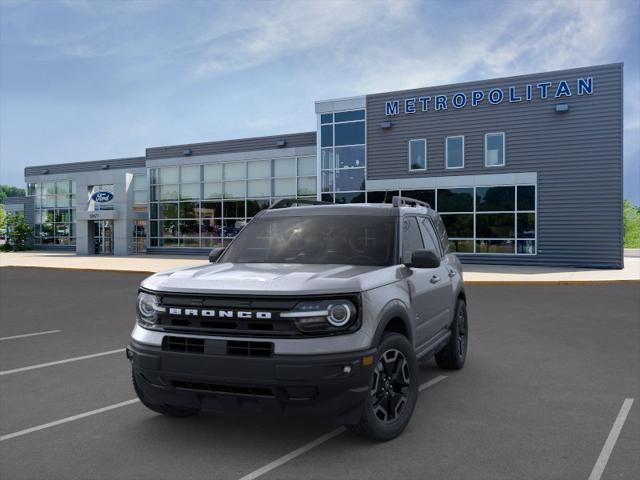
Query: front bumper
{"points": [[327, 385]]}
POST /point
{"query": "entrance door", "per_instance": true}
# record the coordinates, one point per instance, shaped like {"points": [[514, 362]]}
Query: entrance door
{"points": [[103, 237]]}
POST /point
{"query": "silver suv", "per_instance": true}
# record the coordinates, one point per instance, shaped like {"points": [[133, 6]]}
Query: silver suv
{"points": [[312, 310]]}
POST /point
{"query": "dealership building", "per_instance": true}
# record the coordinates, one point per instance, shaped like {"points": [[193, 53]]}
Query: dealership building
{"points": [[524, 170]]}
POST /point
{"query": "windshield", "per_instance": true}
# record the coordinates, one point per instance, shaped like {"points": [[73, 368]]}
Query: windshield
{"points": [[341, 239]]}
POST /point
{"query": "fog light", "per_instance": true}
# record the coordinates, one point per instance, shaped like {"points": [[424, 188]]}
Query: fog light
{"points": [[368, 360]]}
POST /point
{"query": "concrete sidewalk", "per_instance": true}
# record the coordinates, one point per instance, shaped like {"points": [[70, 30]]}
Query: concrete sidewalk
{"points": [[473, 274]]}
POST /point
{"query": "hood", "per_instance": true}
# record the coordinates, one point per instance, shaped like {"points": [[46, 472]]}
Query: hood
{"points": [[272, 278]]}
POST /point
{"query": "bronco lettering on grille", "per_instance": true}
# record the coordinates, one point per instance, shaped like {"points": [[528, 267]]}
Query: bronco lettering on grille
{"points": [[243, 314]]}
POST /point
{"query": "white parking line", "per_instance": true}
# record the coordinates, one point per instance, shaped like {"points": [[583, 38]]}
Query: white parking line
{"points": [[601, 463], [24, 335], [318, 441], [68, 419], [59, 362]]}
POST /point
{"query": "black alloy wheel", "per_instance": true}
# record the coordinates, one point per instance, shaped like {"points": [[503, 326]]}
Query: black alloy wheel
{"points": [[390, 388]]}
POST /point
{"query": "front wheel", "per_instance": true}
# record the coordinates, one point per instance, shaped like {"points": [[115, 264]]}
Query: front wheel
{"points": [[454, 353], [393, 391]]}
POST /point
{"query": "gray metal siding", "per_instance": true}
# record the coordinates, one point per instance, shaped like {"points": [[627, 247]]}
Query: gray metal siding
{"points": [[113, 164], [232, 146], [577, 156]]}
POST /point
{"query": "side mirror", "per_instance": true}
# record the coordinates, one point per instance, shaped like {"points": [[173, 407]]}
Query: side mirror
{"points": [[215, 253], [424, 259]]}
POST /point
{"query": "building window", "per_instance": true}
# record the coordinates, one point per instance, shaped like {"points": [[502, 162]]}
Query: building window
{"points": [[207, 205], [343, 158], [417, 154], [54, 212], [455, 151], [483, 220], [494, 146]]}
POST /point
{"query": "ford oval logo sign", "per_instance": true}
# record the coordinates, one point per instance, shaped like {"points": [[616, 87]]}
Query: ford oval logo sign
{"points": [[102, 197]]}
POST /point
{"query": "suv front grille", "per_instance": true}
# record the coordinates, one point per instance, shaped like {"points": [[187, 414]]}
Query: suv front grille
{"points": [[187, 322]]}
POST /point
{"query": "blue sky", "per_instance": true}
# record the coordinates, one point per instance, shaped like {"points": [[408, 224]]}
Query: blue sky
{"points": [[88, 80]]}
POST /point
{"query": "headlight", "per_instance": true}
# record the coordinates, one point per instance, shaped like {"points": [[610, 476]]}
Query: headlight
{"points": [[323, 316], [148, 308]]}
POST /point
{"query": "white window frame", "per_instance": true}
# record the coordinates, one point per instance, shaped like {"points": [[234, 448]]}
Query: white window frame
{"points": [[504, 149], [426, 163], [446, 152]]}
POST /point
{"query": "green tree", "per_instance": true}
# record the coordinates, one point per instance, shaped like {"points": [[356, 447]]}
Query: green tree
{"points": [[10, 191], [3, 218], [631, 225], [18, 232]]}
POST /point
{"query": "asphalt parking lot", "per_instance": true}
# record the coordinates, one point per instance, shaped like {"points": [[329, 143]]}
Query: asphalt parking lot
{"points": [[548, 372]]}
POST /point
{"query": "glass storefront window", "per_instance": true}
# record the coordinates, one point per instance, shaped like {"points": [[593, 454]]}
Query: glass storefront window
{"points": [[495, 199], [236, 189], [284, 187], [349, 180], [213, 172], [231, 193], [350, 157], [190, 174], [284, 167], [349, 133], [306, 166], [259, 188], [259, 169], [235, 171], [168, 175], [455, 200], [189, 191]]}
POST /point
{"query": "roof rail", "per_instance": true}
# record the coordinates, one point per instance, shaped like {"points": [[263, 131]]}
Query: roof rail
{"points": [[398, 201], [294, 202]]}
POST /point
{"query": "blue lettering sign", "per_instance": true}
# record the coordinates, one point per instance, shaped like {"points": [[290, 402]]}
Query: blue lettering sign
{"points": [[392, 107], [544, 89], [425, 103], [512, 95], [410, 105], [585, 85], [563, 89], [459, 100], [496, 96], [476, 97]]}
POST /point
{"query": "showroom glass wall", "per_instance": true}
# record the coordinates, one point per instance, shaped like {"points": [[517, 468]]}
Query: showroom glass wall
{"points": [[207, 205], [54, 212], [343, 156], [481, 220]]}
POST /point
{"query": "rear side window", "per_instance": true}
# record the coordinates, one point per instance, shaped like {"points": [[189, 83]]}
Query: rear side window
{"points": [[442, 233], [411, 238], [429, 235]]}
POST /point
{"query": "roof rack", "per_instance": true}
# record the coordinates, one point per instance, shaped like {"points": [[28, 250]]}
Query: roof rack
{"points": [[398, 201], [291, 202]]}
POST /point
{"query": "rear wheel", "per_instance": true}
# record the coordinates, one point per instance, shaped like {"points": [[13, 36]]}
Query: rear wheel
{"points": [[393, 391], [169, 410], [454, 353]]}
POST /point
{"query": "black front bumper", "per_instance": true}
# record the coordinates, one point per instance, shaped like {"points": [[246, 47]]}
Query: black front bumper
{"points": [[331, 386]]}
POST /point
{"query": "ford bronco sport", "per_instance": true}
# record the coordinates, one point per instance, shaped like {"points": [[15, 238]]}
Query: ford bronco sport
{"points": [[311, 310]]}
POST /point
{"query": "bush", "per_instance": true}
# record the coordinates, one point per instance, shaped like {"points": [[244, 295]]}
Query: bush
{"points": [[631, 225], [18, 232]]}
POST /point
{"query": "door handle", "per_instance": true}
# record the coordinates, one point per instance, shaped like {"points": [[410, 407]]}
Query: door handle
{"points": [[452, 272], [435, 279]]}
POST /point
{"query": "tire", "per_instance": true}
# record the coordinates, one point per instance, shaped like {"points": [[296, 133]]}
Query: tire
{"points": [[454, 353], [393, 391], [169, 410]]}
